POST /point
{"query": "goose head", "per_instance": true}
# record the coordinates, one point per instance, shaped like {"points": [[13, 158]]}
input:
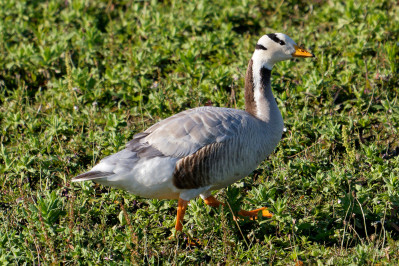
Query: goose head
{"points": [[275, 47], [259, 99]]}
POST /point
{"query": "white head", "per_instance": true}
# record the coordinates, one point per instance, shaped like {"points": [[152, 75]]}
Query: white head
{"points": [[275, 47]]}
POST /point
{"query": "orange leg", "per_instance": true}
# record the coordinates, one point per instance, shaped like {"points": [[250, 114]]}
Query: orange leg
{"points": [[181, 210], [213, 202]]}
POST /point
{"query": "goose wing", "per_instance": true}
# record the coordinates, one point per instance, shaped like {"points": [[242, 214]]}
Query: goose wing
{"points": [[186, 132]]}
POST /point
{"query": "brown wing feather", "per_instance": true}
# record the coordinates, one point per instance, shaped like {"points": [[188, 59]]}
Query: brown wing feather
{"points": [[194, 171]]}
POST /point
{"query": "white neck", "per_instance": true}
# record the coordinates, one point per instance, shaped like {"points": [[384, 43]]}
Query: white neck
{"points": [[259, 99]]}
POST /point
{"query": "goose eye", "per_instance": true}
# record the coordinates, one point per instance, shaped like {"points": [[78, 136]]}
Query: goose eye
{"points": [[282, 42]]}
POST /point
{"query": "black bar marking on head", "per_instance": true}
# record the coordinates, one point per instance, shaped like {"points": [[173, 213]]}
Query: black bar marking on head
{"points": [[274, 37], [260, 47]]}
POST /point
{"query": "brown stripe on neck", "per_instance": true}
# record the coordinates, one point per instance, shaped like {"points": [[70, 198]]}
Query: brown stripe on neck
{"points": [[250, 104]]}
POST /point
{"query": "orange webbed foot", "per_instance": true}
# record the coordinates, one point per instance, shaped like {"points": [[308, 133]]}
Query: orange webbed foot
{"points": [[253, 215], [191, 241]]}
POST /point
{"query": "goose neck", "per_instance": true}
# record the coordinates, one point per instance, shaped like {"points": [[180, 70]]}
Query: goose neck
{"points": [[259, 98]]}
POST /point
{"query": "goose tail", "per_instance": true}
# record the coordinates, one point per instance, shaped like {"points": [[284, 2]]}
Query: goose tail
{"points": [[91, 175]]}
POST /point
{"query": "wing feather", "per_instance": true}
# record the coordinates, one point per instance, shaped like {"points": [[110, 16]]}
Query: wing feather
{"points": [[185, 133]]}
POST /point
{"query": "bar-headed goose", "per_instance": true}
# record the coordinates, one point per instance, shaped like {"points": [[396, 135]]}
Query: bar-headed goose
{"points": [[199, 150]]}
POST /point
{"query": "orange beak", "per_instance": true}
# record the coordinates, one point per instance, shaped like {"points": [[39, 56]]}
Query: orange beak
{"points": [[300, 52]]}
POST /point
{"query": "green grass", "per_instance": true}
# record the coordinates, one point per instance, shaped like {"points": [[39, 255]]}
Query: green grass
{"points": [[79, 78]]}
